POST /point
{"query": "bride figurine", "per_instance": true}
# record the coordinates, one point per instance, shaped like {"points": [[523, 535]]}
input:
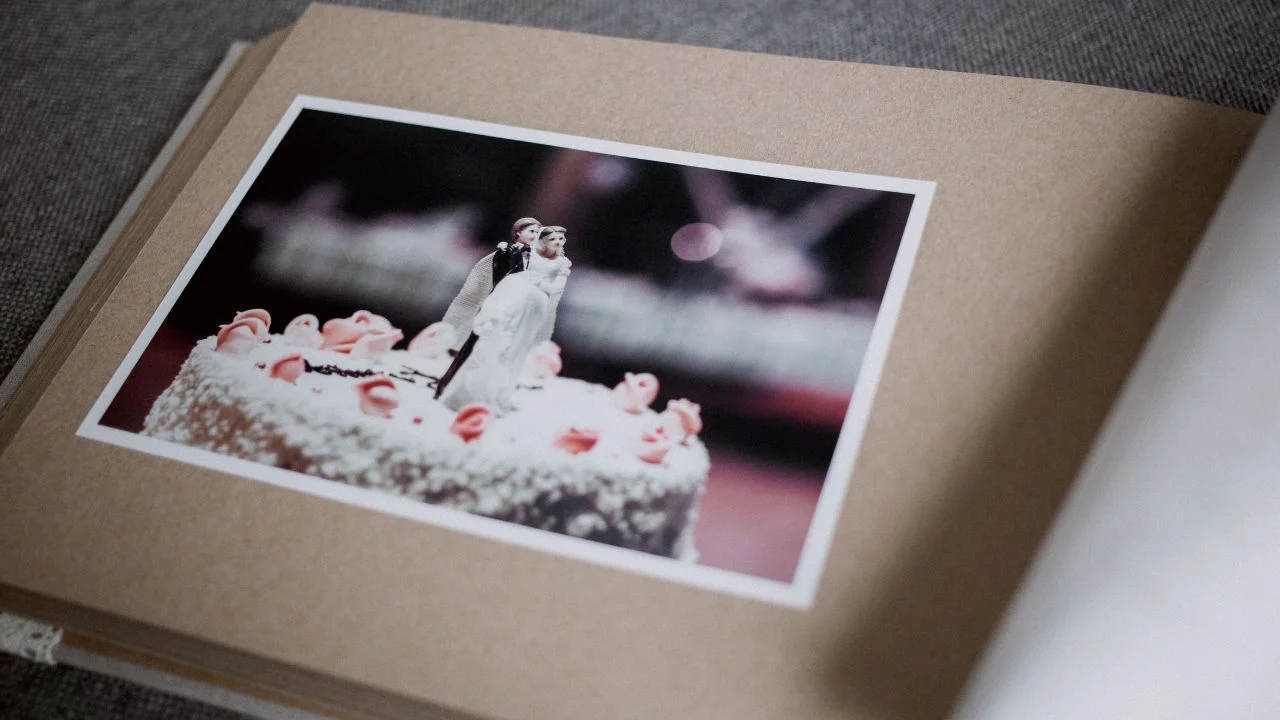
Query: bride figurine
{"points": [[519, 314]]}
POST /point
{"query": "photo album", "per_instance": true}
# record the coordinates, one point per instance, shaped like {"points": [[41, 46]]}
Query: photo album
{"points": [[441, 375]]}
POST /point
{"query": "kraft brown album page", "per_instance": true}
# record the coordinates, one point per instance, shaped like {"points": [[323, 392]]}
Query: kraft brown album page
{"points": [[766, 421]]}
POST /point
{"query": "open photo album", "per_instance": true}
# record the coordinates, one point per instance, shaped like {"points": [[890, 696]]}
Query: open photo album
{"points": [[439, 377]]}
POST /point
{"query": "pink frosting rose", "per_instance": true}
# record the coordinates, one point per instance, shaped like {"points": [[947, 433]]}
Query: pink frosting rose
{"points": [[304, 331], [471, 421], [239, 338], [375, 343], [375, 322], [260, 314], [577, 440], [635, 392], [289, 367], [683, 419], [655, 443], [434, 340], [378, 396], [544, 361], [361, 335]]}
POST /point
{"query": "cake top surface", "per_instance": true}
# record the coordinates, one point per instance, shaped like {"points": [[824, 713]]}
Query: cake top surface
{"points": [[564, 426]]}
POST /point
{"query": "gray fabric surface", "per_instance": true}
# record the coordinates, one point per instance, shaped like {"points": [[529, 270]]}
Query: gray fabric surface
{"points": [[91, 90], [38, 692]]}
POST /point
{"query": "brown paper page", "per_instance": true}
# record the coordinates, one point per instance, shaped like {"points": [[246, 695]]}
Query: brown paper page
{"points": [[1061, 217]]}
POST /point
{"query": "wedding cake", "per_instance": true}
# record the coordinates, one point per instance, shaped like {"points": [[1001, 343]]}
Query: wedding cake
{"points": [[337, 402]]}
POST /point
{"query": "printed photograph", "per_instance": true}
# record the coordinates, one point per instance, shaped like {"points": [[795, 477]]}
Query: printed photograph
{"points": [[668, 355]]}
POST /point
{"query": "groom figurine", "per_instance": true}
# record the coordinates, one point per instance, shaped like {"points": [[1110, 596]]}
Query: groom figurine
{"points": [[509, 258]]}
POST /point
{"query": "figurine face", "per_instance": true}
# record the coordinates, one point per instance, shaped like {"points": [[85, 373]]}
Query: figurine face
{"points": [[552, 244], [528, 234]]}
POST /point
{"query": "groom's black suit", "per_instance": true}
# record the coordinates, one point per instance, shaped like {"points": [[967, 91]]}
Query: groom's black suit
{"points": [[508, 258]]}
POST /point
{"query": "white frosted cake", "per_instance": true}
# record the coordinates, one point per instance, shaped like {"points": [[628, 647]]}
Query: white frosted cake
{"points": [[572, 457]]}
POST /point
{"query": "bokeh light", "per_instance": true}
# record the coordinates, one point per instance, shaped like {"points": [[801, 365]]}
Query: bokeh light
{"points": [[696, 242]]}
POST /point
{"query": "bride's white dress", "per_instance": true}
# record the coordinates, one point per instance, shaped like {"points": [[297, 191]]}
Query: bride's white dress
{"points": [[517, 315]]}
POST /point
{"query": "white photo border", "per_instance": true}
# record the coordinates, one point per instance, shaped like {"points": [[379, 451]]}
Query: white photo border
{"points": [[797, 594]]}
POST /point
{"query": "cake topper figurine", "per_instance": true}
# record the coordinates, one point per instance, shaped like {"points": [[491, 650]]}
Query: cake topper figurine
{"points": [[484, 277], [515, 318]]}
